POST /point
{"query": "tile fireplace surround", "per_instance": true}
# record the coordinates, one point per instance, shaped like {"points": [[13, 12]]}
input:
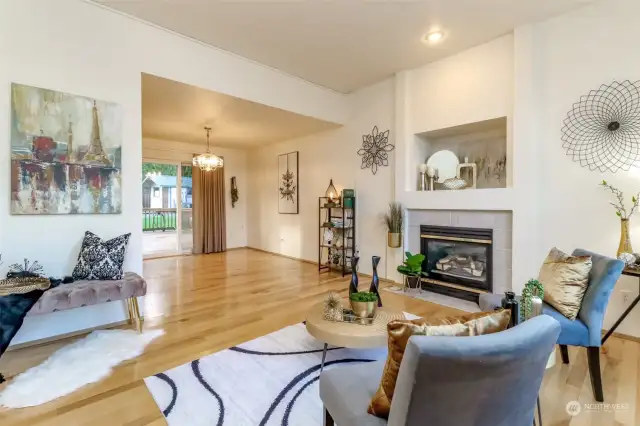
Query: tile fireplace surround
{"points": [[499, 221]]}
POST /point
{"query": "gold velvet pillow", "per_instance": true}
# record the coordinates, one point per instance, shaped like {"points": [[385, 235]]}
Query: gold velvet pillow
{"points": [[400, 331], [565, 279]]}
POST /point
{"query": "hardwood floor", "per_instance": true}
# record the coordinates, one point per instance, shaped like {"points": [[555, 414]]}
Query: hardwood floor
{"points": [[209, 303]]}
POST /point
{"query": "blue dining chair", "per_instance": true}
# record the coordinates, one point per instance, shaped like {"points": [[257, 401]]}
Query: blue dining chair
{"points": [[586, 329]]}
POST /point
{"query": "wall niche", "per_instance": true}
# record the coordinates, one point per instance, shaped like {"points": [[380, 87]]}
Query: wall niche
{"points": [[483, 143]]}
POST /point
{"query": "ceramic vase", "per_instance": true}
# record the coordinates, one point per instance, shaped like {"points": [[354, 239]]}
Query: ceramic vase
{"points": [[353, 285], [510, 302], [625, 240], [375, 280], [536, 306]]}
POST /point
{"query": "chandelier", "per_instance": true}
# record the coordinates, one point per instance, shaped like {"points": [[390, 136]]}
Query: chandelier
{"points": [[207, 161]]}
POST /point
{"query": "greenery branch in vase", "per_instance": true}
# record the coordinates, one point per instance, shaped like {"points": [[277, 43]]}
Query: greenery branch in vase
{"points": [[621, 212], [394, 220], [411, 268]]}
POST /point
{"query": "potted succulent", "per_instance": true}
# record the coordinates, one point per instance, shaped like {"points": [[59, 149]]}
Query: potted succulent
{"points": [[364, 304], [411, 268], [393, 220]]}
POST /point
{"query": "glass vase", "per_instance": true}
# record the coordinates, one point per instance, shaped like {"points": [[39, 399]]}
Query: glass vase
{"points": [[625, 240]]}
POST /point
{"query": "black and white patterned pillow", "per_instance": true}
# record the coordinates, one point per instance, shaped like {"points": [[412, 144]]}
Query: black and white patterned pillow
{"points": [[101, 260]]}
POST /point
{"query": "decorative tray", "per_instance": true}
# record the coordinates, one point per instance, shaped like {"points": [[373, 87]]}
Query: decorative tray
{"points": [[351, 318]]}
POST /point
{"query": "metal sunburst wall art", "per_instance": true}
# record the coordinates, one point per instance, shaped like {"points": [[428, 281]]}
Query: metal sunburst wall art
{"points": [[602, 131], [375, 150]]}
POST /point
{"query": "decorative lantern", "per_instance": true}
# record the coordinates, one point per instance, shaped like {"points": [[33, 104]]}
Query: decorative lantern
{"points": [[331, 193], [207, 161]]}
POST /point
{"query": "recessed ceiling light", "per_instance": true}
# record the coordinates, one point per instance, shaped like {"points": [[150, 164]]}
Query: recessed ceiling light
{"points": [[434, 37]]}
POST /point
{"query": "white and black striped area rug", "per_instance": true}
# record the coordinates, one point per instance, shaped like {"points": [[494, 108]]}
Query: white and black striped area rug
{"points": [[269, 381]]}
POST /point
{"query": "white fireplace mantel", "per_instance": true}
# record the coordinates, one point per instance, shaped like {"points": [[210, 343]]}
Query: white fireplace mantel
{"points": [[464, 199]]}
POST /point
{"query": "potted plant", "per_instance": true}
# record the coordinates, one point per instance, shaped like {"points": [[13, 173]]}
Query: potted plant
{"points": [[411, 268], [364, 304], [393, 220]]}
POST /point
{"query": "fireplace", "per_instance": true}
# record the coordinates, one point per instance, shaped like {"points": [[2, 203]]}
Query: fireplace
{"points": [[458, 261]]}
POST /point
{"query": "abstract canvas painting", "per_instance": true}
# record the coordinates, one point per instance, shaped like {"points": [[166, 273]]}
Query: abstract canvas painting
{"points": [[65, 153], [288, 188]]}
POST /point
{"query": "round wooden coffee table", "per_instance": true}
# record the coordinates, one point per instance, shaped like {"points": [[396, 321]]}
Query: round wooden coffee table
{"points": [[350, 335]]}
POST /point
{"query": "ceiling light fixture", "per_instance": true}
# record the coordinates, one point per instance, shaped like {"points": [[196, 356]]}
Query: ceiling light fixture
{"points": [[434, 37], [207, 161]]}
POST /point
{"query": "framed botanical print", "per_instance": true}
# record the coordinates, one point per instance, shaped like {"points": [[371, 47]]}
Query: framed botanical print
{"points": [[288, 185]]}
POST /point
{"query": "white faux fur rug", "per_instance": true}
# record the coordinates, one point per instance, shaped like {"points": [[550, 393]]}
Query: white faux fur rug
{"points": [[86, 361]]}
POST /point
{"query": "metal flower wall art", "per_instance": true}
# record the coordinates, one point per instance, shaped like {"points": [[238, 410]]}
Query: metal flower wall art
{"points": [[375, 150], [602, 131]]}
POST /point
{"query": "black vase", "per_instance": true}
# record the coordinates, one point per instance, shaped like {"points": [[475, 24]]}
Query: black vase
{"points": [[375, 281], [353, 285], [510, 302]]}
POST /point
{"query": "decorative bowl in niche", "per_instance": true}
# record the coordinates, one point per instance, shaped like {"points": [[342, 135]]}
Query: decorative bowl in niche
{"points": [[454, 183]]}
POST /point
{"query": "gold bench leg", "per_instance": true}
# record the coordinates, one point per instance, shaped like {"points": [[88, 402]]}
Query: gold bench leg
{"points": [[134, 313]]}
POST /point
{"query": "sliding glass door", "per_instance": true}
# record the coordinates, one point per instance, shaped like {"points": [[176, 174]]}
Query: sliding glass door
{"points": [[166, 209], [186, 210]]}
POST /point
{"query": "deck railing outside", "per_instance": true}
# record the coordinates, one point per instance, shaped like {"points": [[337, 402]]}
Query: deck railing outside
{"points": [[165, 219]]}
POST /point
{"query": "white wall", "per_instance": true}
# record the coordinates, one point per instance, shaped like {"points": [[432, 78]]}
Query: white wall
{"points": [[80, 48], [573, 54], [235, 164], [326, 155], [472, 86]]}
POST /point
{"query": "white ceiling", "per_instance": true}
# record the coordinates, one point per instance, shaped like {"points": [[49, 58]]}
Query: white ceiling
{"points": [[342, 44], [178, 112]]}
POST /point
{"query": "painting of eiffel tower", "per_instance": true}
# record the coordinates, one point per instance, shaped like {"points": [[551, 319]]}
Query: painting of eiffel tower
{"points": [[96, 154], [66, 153]]}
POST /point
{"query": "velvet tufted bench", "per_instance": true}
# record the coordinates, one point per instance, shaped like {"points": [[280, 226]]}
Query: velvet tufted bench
{"points": [[87, 293]]}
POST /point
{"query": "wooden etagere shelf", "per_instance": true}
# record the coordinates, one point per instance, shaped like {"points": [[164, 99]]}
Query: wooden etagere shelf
{"points": [[339, 222]]}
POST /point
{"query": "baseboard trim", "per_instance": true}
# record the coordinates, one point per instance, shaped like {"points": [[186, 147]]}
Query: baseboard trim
{"points": [[282, 255], [47, 340], [166, 256], [622, 336], [386, 280]]}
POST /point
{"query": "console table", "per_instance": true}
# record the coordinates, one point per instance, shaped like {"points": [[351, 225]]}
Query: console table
{"points": [[632, 273]]}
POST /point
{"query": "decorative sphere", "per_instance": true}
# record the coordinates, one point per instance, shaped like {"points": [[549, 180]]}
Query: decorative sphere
{"points": [[628, 258]]}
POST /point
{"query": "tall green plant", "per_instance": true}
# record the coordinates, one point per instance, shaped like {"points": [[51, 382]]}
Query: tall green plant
{"points": [[393, 218]]}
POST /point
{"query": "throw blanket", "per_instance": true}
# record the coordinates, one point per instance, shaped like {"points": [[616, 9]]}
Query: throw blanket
{"points": [[13, 309]]}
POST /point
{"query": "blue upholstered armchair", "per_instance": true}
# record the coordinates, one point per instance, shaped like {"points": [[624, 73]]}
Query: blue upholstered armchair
{"points": [[444, 381], [586, 330]]}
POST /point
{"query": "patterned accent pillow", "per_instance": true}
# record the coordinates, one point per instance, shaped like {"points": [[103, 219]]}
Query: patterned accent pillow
{"points": [[101, 260], [565, 279], [400, 331]]}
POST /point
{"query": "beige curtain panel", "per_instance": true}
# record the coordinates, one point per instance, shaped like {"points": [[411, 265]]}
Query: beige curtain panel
{"points": [[209, 222]]}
